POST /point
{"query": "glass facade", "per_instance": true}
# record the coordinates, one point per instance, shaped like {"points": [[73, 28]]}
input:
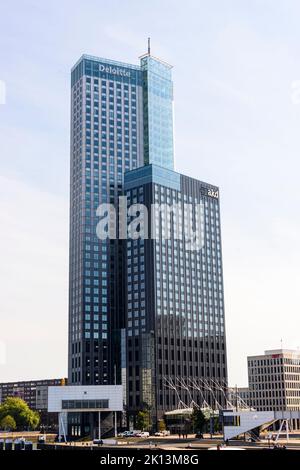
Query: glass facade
{"points": [[158, 112], [84, 404], [121, 118], [106, 140], [139, 310], [175, 298]]}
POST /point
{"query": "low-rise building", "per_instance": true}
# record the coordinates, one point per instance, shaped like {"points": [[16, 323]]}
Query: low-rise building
{"points": [[274, 381], [35, 394], [101, 403]]}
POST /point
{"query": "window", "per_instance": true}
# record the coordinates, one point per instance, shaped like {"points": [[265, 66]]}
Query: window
{"points": [[84, 404], [231, 420]]}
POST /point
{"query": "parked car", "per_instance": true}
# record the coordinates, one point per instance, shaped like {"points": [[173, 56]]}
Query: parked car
{"points": [[129, 433], [162, 433], [123, 434], [98, 442], [142, 434]]}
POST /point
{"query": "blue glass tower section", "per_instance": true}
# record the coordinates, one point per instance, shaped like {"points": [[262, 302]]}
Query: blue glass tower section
{"points": [[106, 141], [158, 112]]}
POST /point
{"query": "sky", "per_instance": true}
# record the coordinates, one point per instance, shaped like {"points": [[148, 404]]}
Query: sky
{"points": [[237, 125]]}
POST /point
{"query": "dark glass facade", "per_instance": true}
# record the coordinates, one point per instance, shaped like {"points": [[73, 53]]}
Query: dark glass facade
{"points": [[175, 298], [139, 310], [106, 140], [116, 111]]}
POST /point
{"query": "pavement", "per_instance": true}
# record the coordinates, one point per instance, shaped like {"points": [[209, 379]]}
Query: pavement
{"points": [[191, 443], [172, 442]]}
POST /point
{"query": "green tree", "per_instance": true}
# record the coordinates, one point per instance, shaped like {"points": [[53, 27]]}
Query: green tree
{"points": [[199, 420], [143, 420], [161, 425], [19, 410], [8, 423], [217, 427]]}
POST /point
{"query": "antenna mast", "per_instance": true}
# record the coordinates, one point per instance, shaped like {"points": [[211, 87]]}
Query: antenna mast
{"points": [[149, 46]]}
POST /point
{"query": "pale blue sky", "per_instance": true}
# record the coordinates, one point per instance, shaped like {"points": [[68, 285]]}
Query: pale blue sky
{"points": [[237, 122]]}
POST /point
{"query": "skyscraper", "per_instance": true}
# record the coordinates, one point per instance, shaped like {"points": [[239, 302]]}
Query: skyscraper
{"points": [[175, 298], [140, 311], [121, 118]]}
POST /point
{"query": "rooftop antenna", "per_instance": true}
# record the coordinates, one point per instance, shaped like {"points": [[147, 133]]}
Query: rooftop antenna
{"points": [[149, 46], [281, 343]]}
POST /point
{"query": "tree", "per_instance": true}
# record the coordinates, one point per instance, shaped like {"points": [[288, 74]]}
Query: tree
{"points": [[199, 420], [19, 410], [161, 425], [8, 423], [143, 420]]}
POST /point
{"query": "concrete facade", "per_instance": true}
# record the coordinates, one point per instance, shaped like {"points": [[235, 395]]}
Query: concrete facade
{"points": [[274, 381]]}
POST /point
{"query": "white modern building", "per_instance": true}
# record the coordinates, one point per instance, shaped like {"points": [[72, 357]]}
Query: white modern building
{"points": [[92, 399], [274, 381]]}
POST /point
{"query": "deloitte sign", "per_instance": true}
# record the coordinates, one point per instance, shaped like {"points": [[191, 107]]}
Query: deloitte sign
{"points": [[114, 70]]}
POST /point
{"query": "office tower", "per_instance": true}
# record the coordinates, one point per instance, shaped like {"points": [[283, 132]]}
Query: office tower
{"points": [[274, 381], [106, 139], [121, 119], [141, 311], [175, 300]]}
